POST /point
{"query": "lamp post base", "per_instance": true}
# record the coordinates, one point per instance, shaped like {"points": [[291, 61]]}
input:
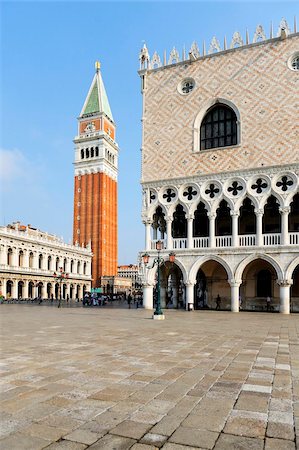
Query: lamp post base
{"points": [[158, 316]]}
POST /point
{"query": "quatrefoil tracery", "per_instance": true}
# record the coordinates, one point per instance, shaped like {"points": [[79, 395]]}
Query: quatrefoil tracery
{"points": [[212, 191], [284, 183], [235, 188], [259, 186], [169, 195], [190, 193]]}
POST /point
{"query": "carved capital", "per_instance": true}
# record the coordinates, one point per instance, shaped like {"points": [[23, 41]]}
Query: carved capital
{"points": [[259, 212], [284, 283], [234, 213], [285, 210], [234, 283], [211, 215]]}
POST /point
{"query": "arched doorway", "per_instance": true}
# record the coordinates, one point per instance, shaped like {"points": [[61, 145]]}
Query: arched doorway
{"points": [[247, 218], [9, 288], [39, 289], [49, 290], [211, 282], [223, 223], [57, 291], [71, 291], [259, 282], [271, 217], [30, 289], [20, 289], [201, 221], [159, 224], [172, 290], [295, 291], [78, 291]]}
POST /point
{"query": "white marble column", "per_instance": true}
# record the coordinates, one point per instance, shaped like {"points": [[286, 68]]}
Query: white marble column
{"points": [[14, 292], [35, 260], [3, 255], [15, 257], [3, 289], [259, 227], [25, 289], [212, 217], [189, 295], [44, 290], [235, 234], [147, 224], [235, 294], [148, 296], [169, 243], [284, 295], [190, 232], [26, 259], [285, 225]]}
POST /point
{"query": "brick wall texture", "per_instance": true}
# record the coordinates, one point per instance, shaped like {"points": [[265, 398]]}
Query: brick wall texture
{"points": [[256, 79], [95, 216]]}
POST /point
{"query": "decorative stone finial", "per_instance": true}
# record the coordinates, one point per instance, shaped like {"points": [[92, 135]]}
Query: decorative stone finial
{"points": [[144, 57], [97, 65]]}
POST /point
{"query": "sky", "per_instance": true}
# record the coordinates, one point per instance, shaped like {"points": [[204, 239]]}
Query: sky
{"points": [[48, 51]]}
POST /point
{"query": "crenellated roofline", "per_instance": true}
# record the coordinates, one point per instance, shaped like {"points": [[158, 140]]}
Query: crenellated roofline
{"points": [[148, 64]]}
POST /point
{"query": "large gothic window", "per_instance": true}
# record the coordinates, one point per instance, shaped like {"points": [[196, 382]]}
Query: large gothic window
{"points": [[218, 128]]}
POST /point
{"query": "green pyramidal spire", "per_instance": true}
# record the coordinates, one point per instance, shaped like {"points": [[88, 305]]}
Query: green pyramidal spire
{"points": [[97, 101]]}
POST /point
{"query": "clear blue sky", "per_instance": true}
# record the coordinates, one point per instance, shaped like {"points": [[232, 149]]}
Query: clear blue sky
{"points": [[48, 53]]}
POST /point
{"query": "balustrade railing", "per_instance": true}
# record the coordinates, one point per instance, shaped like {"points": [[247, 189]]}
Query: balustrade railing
{"points": [[272, 239], [154, 241], [244, 240], [294, 238], [200, 242], [223, 241], [179, 243], [247, 240]]}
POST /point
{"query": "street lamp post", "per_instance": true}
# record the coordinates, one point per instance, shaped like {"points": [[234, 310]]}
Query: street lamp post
{"points": [[159, 261], [60, 276]]}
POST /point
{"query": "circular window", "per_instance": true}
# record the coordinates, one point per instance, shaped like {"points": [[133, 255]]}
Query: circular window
{"points": [[293, 62], [186, 86]]}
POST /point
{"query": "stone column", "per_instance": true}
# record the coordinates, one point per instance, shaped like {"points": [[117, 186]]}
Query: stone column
{"points": [[285, 225], [44, 290], [259, 227], [212, 217], [284, 295], [35, 260], [15, 257], [174, 297], [169, 243], [3, 254], [163, 294], [148, 296], [235, 294], [14, 292], [235, 234], [26, 259], [3, 289], [189, 295], [190, 232], [147, 224], [25, 289]]}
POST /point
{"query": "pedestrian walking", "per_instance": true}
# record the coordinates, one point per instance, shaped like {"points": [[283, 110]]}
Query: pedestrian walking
{"points": [[218, 303], [129, 300], [268, 301]]}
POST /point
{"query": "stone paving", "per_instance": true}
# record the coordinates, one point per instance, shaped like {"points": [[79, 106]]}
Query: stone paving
{"points": [[78, 378]]}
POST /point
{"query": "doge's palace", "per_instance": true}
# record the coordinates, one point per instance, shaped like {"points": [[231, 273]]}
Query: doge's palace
{"points": [[220, 165]]}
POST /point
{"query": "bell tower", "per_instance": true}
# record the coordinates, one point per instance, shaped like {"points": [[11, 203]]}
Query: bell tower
{"points": [[95, 191]]}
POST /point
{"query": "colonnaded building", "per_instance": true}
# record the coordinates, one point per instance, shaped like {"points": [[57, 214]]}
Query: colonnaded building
{"points": [[29, 257], [220, 172]]}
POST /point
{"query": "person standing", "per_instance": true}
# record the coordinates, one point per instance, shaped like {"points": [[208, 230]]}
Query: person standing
{"points": [[218, 303], [268, 300]]}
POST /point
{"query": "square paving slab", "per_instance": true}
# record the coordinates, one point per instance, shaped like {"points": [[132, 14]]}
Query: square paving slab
{"points": [[76, 378]]}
